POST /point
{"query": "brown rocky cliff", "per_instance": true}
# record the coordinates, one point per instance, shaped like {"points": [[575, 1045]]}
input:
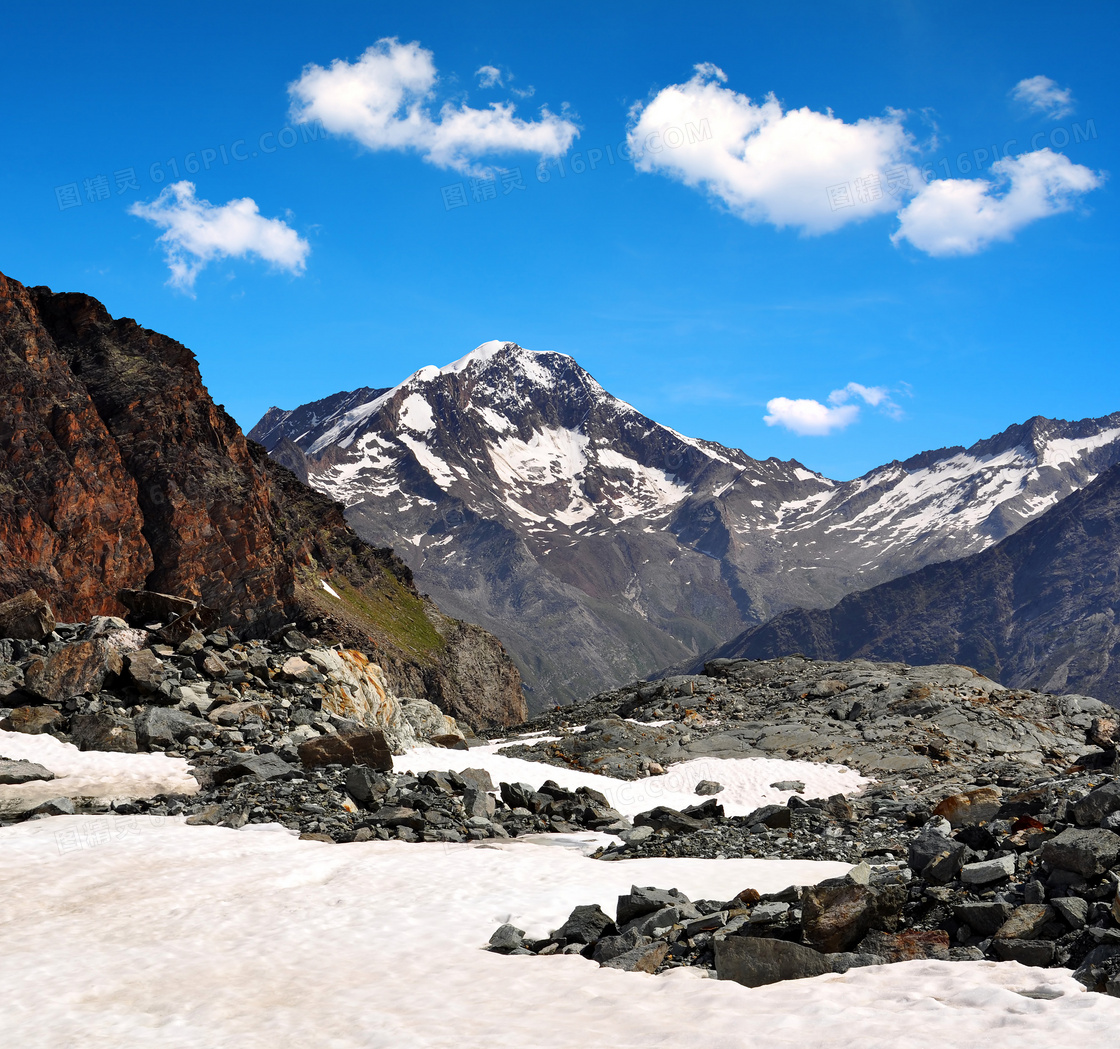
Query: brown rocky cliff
{"points": [[118, 470]]}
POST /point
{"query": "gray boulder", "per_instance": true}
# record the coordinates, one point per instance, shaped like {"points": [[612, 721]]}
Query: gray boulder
{"points": [[16, 771], [1086, 852], [755, 961], [103, 731], [159, 728], [1090, 810], [586, 924]]}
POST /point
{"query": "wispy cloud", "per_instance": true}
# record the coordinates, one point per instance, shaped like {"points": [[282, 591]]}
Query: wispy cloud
{"points": [[811, 418], [1042, 95], [964, 216], [488, 76], [197, 232], [383, 101]]}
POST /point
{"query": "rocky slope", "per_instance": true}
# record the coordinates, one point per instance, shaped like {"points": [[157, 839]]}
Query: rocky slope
{"points": [[117, 470], [1039, 609], [601, 546]]}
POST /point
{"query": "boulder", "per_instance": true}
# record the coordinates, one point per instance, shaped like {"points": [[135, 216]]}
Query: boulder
{"points": [[152, 605], [160, 728], [986, 872], [477, 778], [1027, 922], [981, 917], [74, 670], [836, 915], [1086, 852], [478, 803], [971, 808], [708, 786], [755, 961], [26, 617], [32, 720], [1039, 953], [103, 731], [645, 900], [365, 785], [359, 748], [642, 959], [507, 938], [15, 771], [907, 946], [259, 766], [145, 669], [1095, 806], [608, 947], [664, 818], [586, 924]]}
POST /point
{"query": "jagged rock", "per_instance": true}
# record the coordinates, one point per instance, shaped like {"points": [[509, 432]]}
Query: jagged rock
{"points": [[586, 924], [145, 670], [836, 917], [1025, 952], [26, 616], [910, 945], [608, 947], [478, 803], [55, 807], [756, 961], [14, 772], [259, 766], [708, 786], [103, 731], [795, 785], [82, 667], [32, 720], [364, 784], [477, 778], [641, 900], [1073, 909], [1027, 922], [1085, 852], [1090, 810], [664, 818], [986, 872], [984, 918], [151, 605], [506, 938]]}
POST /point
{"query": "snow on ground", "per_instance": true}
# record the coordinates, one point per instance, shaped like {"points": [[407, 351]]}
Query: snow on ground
{"points": [[746, 781], [89, 774], [195, 937]]}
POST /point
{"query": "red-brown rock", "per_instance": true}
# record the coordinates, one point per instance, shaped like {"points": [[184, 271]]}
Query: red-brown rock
{"points": [[26, 616], [32, 720], [73, 670]]}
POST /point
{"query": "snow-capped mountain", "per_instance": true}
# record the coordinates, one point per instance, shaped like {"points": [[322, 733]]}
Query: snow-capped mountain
{"points": [[600, 545]]}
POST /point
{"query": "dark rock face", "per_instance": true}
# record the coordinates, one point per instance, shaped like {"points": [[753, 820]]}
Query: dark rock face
{"points": [[26, 617], [1039, 609], [122, 484], [601, 546]]}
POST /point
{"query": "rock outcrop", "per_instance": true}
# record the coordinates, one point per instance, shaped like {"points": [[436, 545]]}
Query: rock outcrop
{"points": [[119, 472]]}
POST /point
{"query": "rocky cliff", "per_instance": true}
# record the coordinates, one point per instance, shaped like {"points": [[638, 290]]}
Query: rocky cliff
{"points": [[1039, 609], [117, 469]]}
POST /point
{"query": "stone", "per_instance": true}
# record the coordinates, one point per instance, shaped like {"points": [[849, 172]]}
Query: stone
{"points": [[986, 872], [755, 961], [26, 617], [664, 818], [1086, 852], [192, 644], [1090, 810], [449, 741], [74, 670], [103, 731], [478, 803], [55, 807], [260, 766], [707, 786], [790, 784], [1026, 952], [971, 808], [658, 923], [836, 917], [507, 938], [32, 720], [838, 806], [360, 748], [644, 900], [776, 817], [152, 605], [608, 947], [1026, 922], [770, 911], [16, 771], [907, 946], [214, 666], [477, 778], [299, 670], [518, 795], [160, 728], [1073, 909], [145, 670], [585, 925], [983, 918], [365, 785], [642, 959]]}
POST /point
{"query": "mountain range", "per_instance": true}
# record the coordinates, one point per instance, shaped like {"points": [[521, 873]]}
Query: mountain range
{"points": [[601, 546]]}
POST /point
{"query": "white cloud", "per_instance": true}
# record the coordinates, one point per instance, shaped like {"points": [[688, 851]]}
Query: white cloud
{"points": [[1042, 95], [767, 165], [382, 100], [810, 418], [197, 232], [488, 76], [964, 216]]}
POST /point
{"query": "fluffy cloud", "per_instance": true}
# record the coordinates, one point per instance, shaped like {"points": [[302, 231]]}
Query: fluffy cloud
{"points": [[767, 165], [1042, 95], [488, 76], [382, 100], [964, 216], [197, 232], [810, 418]]}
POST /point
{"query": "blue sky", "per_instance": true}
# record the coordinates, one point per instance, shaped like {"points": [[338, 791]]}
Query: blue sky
{"points": [[749, 272]]}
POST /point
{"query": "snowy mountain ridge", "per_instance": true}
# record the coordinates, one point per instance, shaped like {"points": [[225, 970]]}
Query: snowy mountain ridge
{"points": [[601, 545]]}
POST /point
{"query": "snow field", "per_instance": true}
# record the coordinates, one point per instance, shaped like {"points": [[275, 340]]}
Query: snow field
{"points": [[183, 937]]}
